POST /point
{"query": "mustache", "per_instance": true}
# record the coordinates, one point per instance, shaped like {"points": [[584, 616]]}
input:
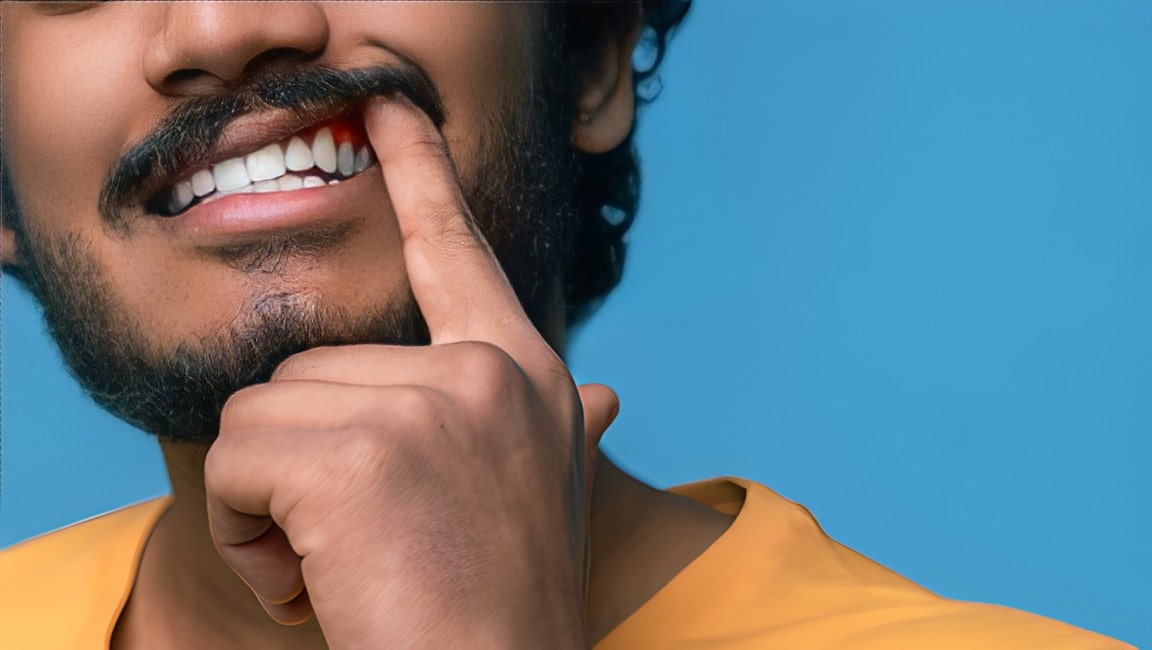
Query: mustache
{"points": [[187, 134]]}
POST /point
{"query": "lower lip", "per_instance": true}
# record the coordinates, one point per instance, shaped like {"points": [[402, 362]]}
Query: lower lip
{"points": [[234, 219]]}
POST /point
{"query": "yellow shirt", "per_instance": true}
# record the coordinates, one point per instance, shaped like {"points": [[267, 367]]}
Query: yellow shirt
{"points": [[773, 580]]}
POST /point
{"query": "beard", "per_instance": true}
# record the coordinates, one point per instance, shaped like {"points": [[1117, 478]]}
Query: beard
{"points": [[522, 201]]}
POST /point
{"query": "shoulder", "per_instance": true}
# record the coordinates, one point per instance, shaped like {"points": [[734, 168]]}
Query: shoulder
{"points": [[948, 625], [776, 580], [62, 585]]}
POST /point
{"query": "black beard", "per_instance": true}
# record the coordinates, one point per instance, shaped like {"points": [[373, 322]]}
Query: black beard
{"points": [[522, 202]]}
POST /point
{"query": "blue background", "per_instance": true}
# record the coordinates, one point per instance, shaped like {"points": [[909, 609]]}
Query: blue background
{"points": [[894, 260]]}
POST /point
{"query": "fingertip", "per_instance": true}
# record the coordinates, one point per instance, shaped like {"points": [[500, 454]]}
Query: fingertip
{"points": [[601, 406], [294, 612], [604, 394], [376, 116], [382, 114], [615, 398]]}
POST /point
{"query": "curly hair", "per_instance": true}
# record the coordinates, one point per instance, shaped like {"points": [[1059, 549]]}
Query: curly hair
{"points": [[608, 184]]}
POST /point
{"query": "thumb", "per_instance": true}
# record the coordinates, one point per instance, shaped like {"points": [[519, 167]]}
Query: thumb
{"points": [[269, 566], [600, 408], [601, 405]]}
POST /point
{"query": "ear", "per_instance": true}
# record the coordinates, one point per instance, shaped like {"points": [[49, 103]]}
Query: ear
{"points": [[606, 103], [9, 253]]}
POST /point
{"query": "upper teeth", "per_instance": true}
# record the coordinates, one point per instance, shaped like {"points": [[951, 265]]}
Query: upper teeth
{"points": [[267, 170]]}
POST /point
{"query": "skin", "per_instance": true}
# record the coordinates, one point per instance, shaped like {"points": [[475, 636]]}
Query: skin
{"points": [[369, 496]]}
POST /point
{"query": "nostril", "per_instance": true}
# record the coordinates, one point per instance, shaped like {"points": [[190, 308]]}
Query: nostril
{"points": [[274, 58], [196, 79], [201, 48], [182, 76], [192, 82]]}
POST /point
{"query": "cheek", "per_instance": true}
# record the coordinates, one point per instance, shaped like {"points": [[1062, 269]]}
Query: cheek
{"points": [[478, 54], [73, 100], [62, 90]]}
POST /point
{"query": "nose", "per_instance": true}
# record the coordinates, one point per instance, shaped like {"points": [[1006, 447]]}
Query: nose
{"points": [[203, 47]]}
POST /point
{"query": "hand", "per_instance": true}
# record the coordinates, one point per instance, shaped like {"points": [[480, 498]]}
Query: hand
{"points": [[418, 496]]}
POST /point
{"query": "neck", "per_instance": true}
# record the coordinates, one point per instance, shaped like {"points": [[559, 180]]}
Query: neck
{"points": [[641, 538], [184, 590]]}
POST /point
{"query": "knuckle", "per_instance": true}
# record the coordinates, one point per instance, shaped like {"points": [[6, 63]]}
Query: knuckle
{"points": [[397, 411], [482, 364], [429, 148], [423, 142], [301, 364], [446, 229], [291, 368], [241, 407], [416, 407], [219, 465], [361, 445], [423, 146]]}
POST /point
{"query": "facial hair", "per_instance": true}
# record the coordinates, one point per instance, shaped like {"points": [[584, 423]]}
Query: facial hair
{"points": [[521, 198]]}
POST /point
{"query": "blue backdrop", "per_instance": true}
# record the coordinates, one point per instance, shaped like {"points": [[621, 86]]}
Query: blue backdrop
{"points": [[894, 260]]}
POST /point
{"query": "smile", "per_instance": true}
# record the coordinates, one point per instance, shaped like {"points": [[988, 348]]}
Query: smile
{"points": [[323, 154]]}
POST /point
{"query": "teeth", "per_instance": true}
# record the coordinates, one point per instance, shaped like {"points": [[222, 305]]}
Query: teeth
{"points": [[216, 196], [290, 182], [298, 157], [202, 183], [266, 163], [181, 197], [363, 159], [246, 189], [230, 175], [267, 170], [345, 159], [324, 150], [184, 193]]}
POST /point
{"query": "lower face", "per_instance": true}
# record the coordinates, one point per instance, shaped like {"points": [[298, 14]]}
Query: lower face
{"points": [[166, 304]]}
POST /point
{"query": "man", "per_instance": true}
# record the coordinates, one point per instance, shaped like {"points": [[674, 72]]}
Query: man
{"points": [[326, 253]]}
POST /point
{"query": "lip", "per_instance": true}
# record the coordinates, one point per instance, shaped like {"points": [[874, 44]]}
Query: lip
{"points": [[243, 218]]}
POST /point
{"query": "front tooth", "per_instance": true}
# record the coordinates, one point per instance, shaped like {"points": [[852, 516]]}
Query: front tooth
{"points": [[324, 150], [202, 183], [362, 159], [263, 187], [298, 156], [244, 189], [266, 163], [313, 181], [346, 159], [291, 181], [230, 175]]}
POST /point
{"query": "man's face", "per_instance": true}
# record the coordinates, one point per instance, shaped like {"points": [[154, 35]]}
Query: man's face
{"points": [[127, 129]]}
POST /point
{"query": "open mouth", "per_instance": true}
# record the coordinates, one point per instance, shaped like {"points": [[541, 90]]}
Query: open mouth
{"points": [[322, 154]]}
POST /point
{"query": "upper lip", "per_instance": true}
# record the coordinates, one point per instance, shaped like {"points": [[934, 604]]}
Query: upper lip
{"points": [[243, 136], [211, 129]]}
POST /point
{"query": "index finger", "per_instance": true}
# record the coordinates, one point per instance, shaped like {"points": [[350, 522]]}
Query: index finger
{"points": [[458, 283]]}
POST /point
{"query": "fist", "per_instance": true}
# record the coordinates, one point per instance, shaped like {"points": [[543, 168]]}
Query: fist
{"points": [[430, 496]]}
